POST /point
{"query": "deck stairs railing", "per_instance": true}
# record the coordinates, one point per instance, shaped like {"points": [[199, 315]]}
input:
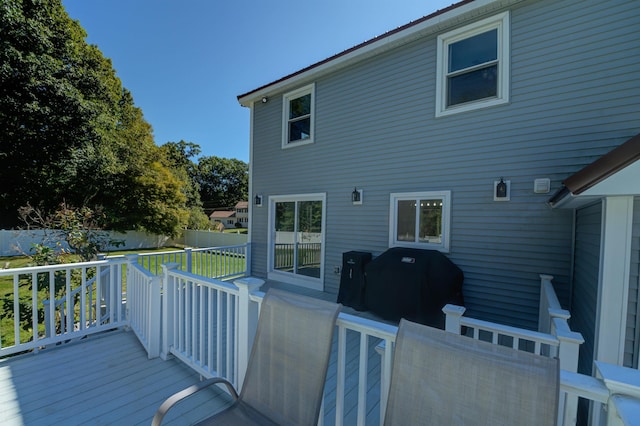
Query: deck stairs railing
{"points": [[58, 303]]}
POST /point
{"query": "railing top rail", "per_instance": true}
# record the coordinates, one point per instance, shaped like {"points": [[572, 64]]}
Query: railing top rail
{"points": [[170, 252], [367, 326], [207, 282], [583, 386], [549, 292], [218, 247], [146, 254], [511, 331], [57, 267], [353, 322], [141, 270]]}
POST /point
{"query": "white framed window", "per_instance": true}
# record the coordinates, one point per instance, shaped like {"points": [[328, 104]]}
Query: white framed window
{"points": [[298, 117], [420, 219], [473, 66]]}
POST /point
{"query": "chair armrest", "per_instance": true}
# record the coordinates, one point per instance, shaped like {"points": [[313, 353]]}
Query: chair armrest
{"points": [[179, 396]]}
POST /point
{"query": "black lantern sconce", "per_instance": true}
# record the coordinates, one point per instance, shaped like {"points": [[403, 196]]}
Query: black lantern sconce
{"points": [[502, 190], [356, 196], [257, 201]]}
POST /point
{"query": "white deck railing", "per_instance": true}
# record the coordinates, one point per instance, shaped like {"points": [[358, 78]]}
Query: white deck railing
{"points": [[212, 262], [57, 303], [144, 305], [200, 309], [199, 322], [209, 324]]}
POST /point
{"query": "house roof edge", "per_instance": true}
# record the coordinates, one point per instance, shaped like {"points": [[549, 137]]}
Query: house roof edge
{"points": [[353, 53], [596, 172]]}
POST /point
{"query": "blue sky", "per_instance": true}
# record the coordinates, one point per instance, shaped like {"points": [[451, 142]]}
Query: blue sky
{"points": [[186, 61]]}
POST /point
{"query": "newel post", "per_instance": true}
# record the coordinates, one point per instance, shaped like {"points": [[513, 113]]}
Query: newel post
{"points": [[570, 342], [154, 319], [168, 293], [544, 322], [247, 323], [189, 254], [453, 318]]}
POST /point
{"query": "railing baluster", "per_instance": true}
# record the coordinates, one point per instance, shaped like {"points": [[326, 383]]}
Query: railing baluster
{"points": [[362, 379], [181, 314], [34, 306], [219, 332], [69, 320], [83, 299], [202, 320], [340, 375], [52, 301], [229, 340], [194, 320], [16, 311], [210, 324]]}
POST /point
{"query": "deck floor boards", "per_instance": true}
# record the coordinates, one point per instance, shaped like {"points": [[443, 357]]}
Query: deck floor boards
{"points": [[100, 380]]}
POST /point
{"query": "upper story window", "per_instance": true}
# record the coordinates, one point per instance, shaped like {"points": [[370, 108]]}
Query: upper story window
{"points": [[473, 66], [420, 219], [298, 113]]}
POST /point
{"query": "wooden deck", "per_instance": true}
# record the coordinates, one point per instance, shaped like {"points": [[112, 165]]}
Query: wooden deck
{"points": [[105, 379], [108, 379]]}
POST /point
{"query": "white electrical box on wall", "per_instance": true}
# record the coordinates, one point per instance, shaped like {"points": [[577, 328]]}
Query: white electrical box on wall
{"points": [[542, 186]]}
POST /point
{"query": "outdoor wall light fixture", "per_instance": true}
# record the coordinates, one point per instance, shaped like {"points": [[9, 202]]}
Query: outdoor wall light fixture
{"points": [[502, 190], [356, 196], [265, 99], [257, 201]]}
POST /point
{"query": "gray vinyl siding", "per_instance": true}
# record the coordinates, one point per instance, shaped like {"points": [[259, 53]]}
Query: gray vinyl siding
{"points": [[585, 280], [375, 128], [632, 341]]}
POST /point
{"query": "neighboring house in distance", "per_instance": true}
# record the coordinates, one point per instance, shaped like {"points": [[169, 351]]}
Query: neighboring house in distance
{"points": [[231, 218], [482, 130], [226, 217], [242, 213]]}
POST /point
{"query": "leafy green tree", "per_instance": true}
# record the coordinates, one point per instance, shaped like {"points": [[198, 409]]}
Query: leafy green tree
{"points": [[53, 92], [70, 131], [223, 182], [178, 157]]}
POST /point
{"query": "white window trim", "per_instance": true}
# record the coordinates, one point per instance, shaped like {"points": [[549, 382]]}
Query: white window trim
{"points": [[501, 22], [309, 89], [446, 219]]}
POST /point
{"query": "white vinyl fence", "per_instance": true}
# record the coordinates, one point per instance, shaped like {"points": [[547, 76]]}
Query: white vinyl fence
{"points": [[18, 242]]}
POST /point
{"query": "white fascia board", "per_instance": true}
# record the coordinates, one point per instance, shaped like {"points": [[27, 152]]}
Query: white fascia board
{"points": [[623, 182], [438, 23]]}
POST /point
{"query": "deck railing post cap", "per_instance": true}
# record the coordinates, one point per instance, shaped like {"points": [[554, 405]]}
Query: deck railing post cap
{"points": [[250, 282], [450, 309]]}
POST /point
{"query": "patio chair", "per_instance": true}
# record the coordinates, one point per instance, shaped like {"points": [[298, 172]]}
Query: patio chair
{"points": [[287, 368], [443, 378]]}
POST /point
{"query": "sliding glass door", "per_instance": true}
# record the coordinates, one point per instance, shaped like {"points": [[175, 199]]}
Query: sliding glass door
{"points": [[297, 239]]}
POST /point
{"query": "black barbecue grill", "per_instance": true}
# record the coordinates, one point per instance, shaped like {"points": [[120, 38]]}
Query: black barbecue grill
{"points": [[414, 284]]}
